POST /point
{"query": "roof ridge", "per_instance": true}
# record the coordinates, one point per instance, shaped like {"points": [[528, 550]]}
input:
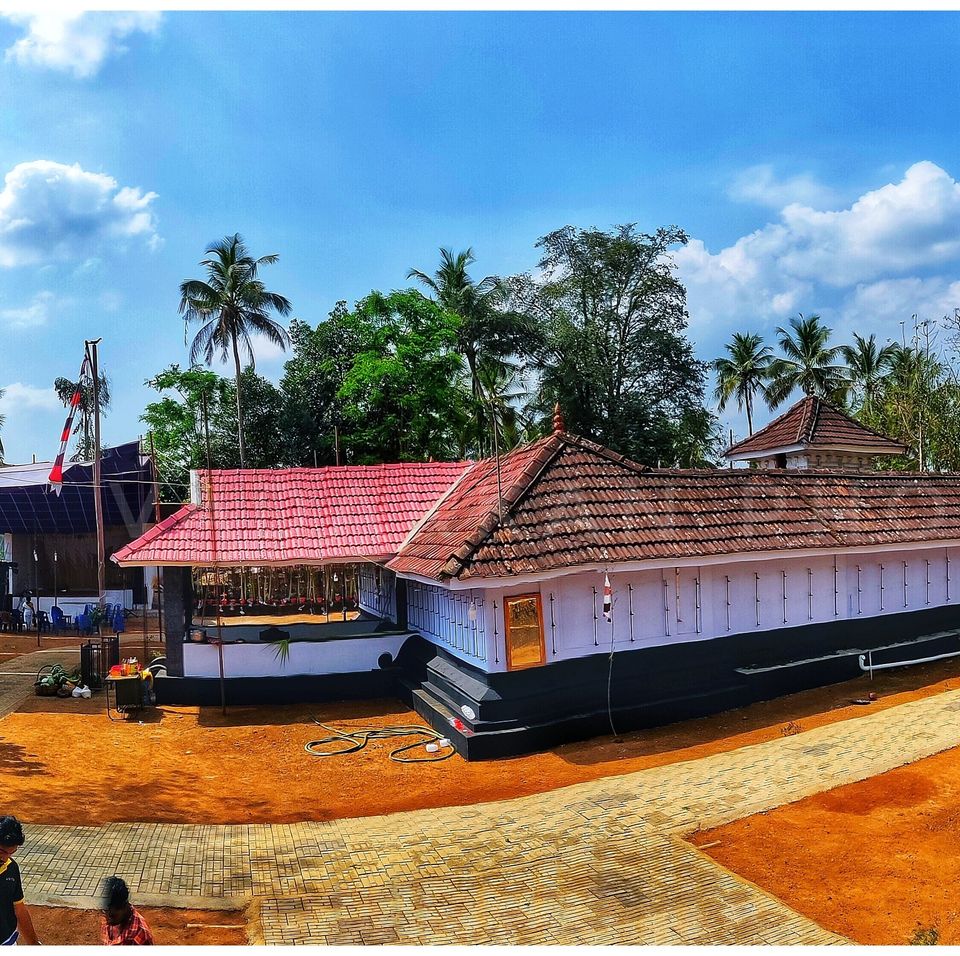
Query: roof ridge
{"points": [[810, 418], [432, 510], [550, 447], [810, 415], [792, 410], [153, 533], [554, 444], [858, 424]]}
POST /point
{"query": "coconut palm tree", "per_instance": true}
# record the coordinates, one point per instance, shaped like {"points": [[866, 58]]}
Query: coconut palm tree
{"points": [[501, 391], [476, 303], [65, 389], [490, 333], [808, 363], [233, 304], [743, 373], [869, 365]]}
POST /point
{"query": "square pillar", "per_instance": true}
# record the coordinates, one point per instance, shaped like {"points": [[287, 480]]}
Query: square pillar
{"points": [[177, 615]]}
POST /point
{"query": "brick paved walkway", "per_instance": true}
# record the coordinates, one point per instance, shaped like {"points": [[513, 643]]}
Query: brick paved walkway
{"points": [[18, 674], [597, 862]]}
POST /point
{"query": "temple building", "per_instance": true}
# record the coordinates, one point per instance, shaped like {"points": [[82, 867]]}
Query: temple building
{"points": [[813, 434], [561, 589]]}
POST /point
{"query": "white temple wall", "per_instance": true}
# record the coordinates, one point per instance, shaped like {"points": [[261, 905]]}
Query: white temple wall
{"points": [[674, 605], [444, 617], [378, 591]]}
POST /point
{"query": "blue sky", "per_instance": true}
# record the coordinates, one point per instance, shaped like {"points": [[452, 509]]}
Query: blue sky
{"points": [[810, 157]]}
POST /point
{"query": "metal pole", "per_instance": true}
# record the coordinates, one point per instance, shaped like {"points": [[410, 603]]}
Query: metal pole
{"points": [[36, 587], [216, 564], [145, 655], [158, 577], [97, 493]]}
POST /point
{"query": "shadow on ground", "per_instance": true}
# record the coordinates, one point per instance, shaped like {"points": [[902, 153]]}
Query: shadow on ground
{"points": [[18, 760], [769, 719]]}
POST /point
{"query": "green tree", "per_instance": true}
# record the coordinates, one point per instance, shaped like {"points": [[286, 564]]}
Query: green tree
{"points": [[232, 304], [175, 423], [490, 334], [500, 393], [265, 442], [919, 405], [83, 425], [868, 365], [313, 376], [743, 372], [808, 363], [403, 395], [612, 317], [697, 441]]}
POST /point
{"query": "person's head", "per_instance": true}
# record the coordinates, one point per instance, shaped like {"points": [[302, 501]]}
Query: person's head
{"points": [[116, 900], [11, 837]]}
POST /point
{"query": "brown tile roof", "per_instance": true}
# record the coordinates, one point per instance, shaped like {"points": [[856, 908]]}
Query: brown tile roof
{"points": [[566, 503], [468, 513], [815, 423], [587, 506]]}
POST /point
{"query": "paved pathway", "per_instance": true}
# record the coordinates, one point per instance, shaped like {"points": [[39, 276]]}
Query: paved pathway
{"points": [[18, 674], [597, 862]]}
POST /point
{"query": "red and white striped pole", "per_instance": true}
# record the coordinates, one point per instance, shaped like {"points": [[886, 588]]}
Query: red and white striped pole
{"points": [[55, 480]]}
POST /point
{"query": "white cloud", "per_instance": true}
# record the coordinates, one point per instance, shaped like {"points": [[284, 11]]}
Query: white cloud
{"points": [[75, 42], [265, 352], [866, 256], [883, 305], [37, 312], [19, 397], [50, 211], [110, 300], [759, 185]]}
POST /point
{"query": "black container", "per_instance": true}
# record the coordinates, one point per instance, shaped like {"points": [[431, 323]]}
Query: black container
{"points": [[96, 659]]}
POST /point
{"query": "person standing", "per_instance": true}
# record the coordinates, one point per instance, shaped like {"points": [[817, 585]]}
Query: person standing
{"points": [[121, 924], [15, 922]]}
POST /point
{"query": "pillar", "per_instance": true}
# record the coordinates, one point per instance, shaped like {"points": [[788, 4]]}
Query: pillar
{"points": [[177, 615]]}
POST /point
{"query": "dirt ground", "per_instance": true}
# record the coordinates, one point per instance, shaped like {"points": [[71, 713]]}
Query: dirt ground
{"points": [[12, 644], [875, 861], [62, 761], [59, 926]]}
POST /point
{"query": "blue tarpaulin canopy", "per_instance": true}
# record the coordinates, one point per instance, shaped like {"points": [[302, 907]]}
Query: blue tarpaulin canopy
{"points": [[28, 506]]}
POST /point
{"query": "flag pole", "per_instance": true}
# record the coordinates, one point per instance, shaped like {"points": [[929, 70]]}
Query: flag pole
{"points": [[91, 345], [216, 563]]}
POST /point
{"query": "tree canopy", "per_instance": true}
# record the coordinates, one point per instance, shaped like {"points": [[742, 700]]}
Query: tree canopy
{"points": [[232, 304], [612, 350]]}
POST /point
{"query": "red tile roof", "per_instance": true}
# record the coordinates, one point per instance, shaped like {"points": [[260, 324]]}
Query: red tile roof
{"points": [[297, 515], [815, 423], [591, 507]]}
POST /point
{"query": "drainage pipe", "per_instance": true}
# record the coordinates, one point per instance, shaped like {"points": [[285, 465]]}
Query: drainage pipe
{"points": [[866, 662]]}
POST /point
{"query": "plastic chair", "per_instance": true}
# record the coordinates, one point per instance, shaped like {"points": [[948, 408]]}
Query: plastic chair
{"points": [[59, 620]]}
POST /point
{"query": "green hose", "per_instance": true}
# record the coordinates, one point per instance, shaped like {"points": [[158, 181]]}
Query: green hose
{"points": [[349, 742]]}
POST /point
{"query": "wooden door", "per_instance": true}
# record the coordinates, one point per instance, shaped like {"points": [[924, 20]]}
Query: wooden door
{"points": [[523, 625]]}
